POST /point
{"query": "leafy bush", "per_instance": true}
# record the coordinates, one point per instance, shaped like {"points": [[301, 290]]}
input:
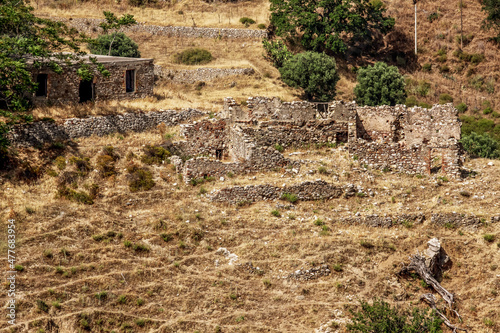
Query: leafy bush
{"points": [[142, 3], [381, 317], [427, 67], [261, 26], [289, 197], [380, 85], [480, 126], [154, 155], [489, 237], [279, 147], [140, 179], [492, 8], [433, 16], [122, 45], [462, 107], [106, 166], [80, 196], [246, 21], [60, 162], [195, 56], [276, 52], [315, 72], [445, 98], [481, 145]]}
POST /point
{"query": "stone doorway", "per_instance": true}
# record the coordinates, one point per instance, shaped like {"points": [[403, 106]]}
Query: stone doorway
{"points": [[86, 91], [219, 154]]}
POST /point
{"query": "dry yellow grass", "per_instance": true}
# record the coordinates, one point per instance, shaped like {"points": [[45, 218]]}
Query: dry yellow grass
{"points": [[185, 285], [181, 13]]}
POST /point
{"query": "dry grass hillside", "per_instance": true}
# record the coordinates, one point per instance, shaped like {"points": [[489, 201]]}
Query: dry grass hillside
{"points": [[150, 261]]}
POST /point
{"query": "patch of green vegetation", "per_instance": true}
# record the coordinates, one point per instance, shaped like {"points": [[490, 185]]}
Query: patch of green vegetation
{"points": [[194, 56]]}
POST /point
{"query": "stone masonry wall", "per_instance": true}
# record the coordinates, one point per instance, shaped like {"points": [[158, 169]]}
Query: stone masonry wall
{"points": [[91, 26], [294, 134], [64, 88], [199, 74], [41, 132], [380, 123], [262, 108], [413, 160], [304, 191], [206, 137]]}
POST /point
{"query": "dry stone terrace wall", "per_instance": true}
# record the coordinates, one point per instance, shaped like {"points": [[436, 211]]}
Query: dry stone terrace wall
{"points": [[304, 191], [91, 26], [199, 74], [41, 132]]}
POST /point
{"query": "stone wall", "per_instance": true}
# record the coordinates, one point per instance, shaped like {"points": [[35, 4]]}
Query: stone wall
{"points": [[64, 88], [287, 134], [378, 155], [380, 123], [41, 132], [265, 108], [262, 159], [206, 137], [91, 26], [199, 74], [304, 191]]}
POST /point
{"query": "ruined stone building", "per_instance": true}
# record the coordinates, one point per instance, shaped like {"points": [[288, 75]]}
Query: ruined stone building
{"points": [[129, 78], [411, 140]]}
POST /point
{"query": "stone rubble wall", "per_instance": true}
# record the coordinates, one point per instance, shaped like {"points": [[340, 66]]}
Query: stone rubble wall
{"points": [[412, 160], [309, 190], [383, 221], [262, 159], [265, 108], [199, 74], [64, 88], [42, 132], [379, 123], [205, 137], [91, 26], [455, 220], [289, 134]]}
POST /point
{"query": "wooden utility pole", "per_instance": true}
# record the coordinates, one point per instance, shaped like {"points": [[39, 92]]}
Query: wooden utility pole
{"points": [[415, 3], [461, 27]]}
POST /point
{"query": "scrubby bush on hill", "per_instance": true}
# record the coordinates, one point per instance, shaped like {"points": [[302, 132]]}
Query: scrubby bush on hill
{"points": [[380, 317], [123, 46], [380, 84], [193, 57], [276, 52], [481, 145], [316, 73]]}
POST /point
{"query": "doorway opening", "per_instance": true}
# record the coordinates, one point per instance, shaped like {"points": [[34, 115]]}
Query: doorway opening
{"points": [[86, 91]]}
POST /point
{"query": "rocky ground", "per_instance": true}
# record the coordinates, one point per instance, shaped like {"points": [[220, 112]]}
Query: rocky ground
{"points": [[170, 259]]}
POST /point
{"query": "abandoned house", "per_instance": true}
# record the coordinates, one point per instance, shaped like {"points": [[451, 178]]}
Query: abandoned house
{"points": [[129, 78]]}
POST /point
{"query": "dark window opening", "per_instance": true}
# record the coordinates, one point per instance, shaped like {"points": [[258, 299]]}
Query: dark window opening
{"points": [[86, 91], [130, 80], [218, 154], [41, 90]]}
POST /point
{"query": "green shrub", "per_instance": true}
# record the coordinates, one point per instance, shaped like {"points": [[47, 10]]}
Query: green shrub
{"points": [[82, 164], [140, 248], [19, 268], [316, 73], [154, 155], [42, 306], [276, 213], [276, 52], [142, 3], [488, 110], [381, 317], [433, 16], [427, 67], [123, 46], [289, 197], [60, 162], [444, 69], [261, 26], [194, 56], [106, 166], [141, 179], [246, 21], [445, 98], [462, 107], [489, 238], [481, 145], [167, 237], [80, 197], [279, 147], [380, 85]]}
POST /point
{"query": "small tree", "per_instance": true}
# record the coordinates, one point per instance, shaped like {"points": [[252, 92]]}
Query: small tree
{"points": [[276, 52], [380, 85], [478, 145], [123, 46], [315, 72], [114, 24], [492, 7], [380, 317], [330, 24]]}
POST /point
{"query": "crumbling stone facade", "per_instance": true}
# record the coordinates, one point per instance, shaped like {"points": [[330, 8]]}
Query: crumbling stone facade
{"points": [[129, 78]]}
